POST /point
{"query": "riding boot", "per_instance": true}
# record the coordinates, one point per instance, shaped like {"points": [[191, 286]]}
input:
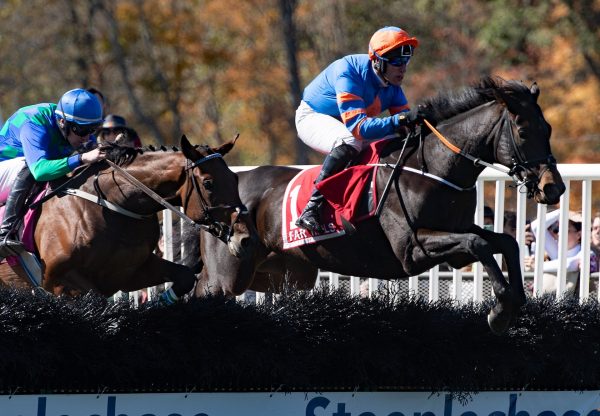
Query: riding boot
{"points": [[335, 161], [13, 211]]}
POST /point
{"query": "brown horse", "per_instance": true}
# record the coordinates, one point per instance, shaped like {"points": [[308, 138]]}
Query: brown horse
{"points": [[84, 246], [424, 222]]}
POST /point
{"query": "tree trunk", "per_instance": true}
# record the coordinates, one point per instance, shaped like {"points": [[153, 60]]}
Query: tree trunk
{"points": [[120, 59], [287, 8]]}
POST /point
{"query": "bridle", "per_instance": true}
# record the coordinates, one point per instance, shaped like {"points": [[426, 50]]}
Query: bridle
{"points": [[219, 229], [521, 168]]}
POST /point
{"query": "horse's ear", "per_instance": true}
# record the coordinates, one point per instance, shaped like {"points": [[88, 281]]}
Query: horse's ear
{"points": [[225, 148], [186, 147], [535, 90]]}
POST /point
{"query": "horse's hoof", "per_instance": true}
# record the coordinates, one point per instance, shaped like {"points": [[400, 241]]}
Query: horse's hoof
{"points": [[499, 321], [40, 291], [521, 299]]}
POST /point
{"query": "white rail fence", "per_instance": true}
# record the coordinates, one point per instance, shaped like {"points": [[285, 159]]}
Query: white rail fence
{"points": [[474, 285]]}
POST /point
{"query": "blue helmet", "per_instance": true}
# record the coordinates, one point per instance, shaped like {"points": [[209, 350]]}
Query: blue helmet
{"points": [[79, 106]]}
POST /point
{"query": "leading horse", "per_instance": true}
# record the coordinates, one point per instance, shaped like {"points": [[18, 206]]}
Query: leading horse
{"points": [[424, 221], [84, 246]]}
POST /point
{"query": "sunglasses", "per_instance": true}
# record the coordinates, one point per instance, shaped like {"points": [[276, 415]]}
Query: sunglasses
{"points": [[85, 130], [400, 61], [401, 56]]}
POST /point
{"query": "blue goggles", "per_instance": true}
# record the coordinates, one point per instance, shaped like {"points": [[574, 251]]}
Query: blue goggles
{"points": [[400, 56]]}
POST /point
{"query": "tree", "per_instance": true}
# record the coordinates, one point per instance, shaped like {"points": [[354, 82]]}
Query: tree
{"points": [[287, 8]]}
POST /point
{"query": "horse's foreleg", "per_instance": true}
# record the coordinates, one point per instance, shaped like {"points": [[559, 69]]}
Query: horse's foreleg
{"points": [[278, 273], [434, 247], [157, 270], [509, 248], [222, 272]]}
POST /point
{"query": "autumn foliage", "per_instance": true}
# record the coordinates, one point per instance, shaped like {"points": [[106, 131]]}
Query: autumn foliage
{"points": [[214, 68]]}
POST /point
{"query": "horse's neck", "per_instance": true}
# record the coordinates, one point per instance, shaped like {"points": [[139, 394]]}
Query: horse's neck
{"points": [[471, 132], [160, 172]]}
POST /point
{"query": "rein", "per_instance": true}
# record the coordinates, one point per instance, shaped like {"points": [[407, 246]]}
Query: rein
{"points": [[104, 203], [152, 194], [520, 167], [397, 168], [476, 161], [58, 190], [395, 172], [220, 230]]}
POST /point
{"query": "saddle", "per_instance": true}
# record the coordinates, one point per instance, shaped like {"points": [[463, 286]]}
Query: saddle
{"points": [[350, 197]]}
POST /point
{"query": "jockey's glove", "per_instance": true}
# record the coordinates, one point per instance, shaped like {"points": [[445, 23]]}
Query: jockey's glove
{"points": [[412, 118], [407, 119]]}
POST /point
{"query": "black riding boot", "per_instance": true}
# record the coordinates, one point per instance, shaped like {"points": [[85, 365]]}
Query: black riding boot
{"points": [[13, 211], [335, 161]]}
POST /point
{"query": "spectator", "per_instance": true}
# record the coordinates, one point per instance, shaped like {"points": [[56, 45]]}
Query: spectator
{"points": [[510, 228], [595, 244], [510, 223], [115, 130], [488, 218], [573, 261]]}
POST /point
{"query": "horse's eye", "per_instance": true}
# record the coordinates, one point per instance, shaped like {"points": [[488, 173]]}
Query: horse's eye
{"points": [[208, 184]]}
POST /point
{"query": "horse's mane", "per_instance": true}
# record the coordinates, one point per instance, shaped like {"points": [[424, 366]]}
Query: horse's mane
{"points": [[125, 155], [449, 104]]}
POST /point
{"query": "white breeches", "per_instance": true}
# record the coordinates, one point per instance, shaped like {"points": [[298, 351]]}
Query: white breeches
{"points": [[8, 173], [322, 132]]}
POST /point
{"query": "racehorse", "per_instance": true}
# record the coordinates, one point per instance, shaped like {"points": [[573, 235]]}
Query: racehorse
{"points": [[424, 222], [84, 246]]}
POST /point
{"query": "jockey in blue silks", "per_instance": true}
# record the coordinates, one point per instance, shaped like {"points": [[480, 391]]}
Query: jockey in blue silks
{"points": [[338, 112], [39, 143]]}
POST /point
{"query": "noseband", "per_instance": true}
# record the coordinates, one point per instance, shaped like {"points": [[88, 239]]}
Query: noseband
{"points": [[219, 229], [521, 169]]}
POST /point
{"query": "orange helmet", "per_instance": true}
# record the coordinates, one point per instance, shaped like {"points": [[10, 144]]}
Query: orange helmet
{"points": [[387, 39]]}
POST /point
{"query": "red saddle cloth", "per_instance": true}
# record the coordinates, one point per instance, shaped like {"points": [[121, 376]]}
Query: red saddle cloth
{"points": [[350, 194]]}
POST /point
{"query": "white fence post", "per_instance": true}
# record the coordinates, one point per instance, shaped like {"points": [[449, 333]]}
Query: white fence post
{"points": [[563, 234], [540, 241], [586, 213]]}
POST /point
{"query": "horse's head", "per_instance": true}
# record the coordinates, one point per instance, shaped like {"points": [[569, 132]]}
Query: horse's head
{"points": [[524, 145], [213, 200]]}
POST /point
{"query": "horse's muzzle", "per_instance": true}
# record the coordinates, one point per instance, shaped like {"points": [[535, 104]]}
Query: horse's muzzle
{"points": [[242, 245], [550, 186], [243, 241], [550, 194]]}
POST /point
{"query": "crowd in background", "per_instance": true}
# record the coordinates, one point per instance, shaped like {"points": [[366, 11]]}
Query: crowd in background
{"points": [[574, 256]]}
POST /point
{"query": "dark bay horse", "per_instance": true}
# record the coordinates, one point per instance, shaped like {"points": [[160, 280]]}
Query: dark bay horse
{"points": [[424, 222], [84, 246]]}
